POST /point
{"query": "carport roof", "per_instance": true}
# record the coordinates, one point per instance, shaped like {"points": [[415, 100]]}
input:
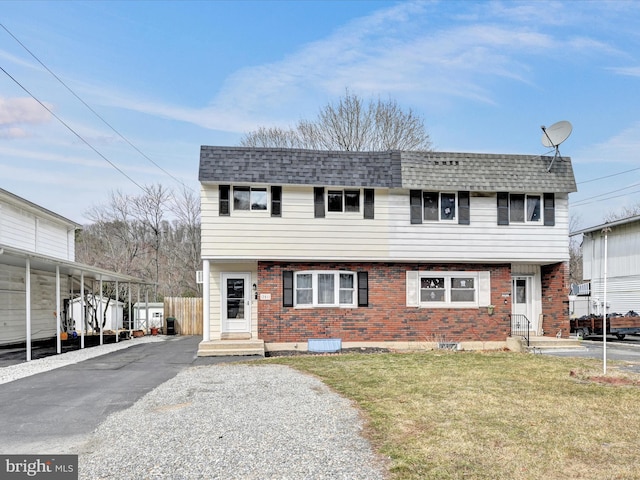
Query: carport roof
{"points": [[16, 257]]}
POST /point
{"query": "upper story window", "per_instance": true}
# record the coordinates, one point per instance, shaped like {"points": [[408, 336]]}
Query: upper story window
{"points": [[250, 199], [526, 208], [439, 207], [343, 201]]}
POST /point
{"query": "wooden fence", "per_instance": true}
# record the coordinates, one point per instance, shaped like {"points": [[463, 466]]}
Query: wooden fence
{"points": [[187, 312]]}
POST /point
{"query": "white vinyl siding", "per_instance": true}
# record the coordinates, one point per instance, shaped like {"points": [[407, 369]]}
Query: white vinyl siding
{"points": [[623, 267], [389, 236], [27, 231], [13, 302]]}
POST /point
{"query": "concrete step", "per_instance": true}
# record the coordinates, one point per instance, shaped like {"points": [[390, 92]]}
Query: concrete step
{"points": [[223, 348], [552, 344]]}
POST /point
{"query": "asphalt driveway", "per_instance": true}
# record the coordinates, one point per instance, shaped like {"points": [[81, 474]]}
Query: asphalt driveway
{"points": [[61, 405]]}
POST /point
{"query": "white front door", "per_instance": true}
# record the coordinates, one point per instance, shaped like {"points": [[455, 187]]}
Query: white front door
{"points": [[236, 303], [522, 302]]}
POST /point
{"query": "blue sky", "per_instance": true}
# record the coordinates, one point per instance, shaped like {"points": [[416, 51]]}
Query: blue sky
{"points": [[172, 76]]}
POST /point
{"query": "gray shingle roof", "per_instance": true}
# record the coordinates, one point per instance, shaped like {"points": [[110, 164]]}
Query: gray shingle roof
{"points": [[419, 170]]}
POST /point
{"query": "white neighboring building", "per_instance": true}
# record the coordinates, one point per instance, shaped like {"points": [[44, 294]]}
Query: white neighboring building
{"points": [[623, 265], [156, 314], [114, 314], [38, 272]]}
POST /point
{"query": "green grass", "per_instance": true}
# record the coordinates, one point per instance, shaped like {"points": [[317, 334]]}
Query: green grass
{"points": [[499, 415]]}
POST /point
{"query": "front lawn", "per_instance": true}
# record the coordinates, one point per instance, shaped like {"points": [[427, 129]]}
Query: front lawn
{"points": [[498, 415]]}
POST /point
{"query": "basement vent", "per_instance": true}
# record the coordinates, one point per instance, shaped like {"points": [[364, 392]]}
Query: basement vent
{"points": [[448, 346], [324, 345]]}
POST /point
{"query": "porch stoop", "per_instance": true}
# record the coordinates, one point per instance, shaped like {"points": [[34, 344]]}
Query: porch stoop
{"points": [[537, 344], [223, 348]]}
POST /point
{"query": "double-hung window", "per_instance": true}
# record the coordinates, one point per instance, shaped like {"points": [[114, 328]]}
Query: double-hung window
{"points": [[250, 199], [446, 289], [525, 208], [451, 289], [343, 201], [325, 289], [346, 200], [439, 207]]}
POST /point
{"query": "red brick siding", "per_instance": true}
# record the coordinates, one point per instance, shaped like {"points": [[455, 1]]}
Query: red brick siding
{"points": [[555, 300], [387, 318]]}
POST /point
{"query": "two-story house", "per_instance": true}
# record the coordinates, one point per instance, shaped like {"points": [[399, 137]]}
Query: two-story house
{"points": [[393, 249], [39, 277], [622, 266]]}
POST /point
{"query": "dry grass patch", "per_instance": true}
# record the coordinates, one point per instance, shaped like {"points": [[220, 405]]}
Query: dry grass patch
{"points": [[454, 415]]}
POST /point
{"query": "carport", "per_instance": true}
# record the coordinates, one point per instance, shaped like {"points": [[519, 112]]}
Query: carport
{"points": [[31, 270]]}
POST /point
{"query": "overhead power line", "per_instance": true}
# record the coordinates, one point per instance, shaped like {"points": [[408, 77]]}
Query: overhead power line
{"points": [[72, 130], [91, 109]]}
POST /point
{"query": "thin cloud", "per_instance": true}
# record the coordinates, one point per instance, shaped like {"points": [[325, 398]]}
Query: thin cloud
{"points": [[399, 51], [22, 110]]}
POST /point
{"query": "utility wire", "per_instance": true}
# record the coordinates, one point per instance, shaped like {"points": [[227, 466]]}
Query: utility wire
{"points": [[91, 109], [72, 130], [609, 176]]}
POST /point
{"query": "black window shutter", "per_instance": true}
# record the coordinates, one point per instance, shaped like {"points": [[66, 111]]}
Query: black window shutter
{"points": [[318, 202], [463, 208], [363, 289], [276, 201], [503, 208], [415, 201], [368, 202], [549, 209], [224, 200], [287, 288]]}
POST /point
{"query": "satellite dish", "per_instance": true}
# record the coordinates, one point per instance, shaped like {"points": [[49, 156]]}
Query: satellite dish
{"points": [[556, 133], [554, 136]]}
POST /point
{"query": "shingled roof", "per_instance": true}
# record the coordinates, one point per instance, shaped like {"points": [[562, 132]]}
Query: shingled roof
{"points": [[420, 170]]}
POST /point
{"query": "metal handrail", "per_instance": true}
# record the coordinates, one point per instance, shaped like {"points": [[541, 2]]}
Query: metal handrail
{"points": [[520, 326]]}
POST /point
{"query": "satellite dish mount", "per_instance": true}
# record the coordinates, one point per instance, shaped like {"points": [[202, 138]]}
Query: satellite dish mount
{"points": [[554, 136]]}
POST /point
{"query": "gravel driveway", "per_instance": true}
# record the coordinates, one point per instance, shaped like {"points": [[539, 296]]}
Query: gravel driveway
{"points": [[233, 421]]}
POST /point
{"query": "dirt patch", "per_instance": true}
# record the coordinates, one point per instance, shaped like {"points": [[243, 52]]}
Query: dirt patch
{"points": [[294, 353]]}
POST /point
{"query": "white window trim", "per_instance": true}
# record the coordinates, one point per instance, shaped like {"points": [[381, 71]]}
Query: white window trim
{"points": [[454, 219], [344, 213], [250, 211], [314, 288], [526, 206], [482, 288]]}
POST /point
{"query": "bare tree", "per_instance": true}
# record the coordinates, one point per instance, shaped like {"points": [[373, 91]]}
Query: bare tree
{"points": [[350, 124], [626, 212], [149, 210], [186, 246], [575, 252]]}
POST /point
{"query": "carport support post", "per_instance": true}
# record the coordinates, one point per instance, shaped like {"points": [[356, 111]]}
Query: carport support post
{"points": [[83, 317], [117, 311], [129, 300], [101, 314], [58, 342], [146, 309], [27, 286]]}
